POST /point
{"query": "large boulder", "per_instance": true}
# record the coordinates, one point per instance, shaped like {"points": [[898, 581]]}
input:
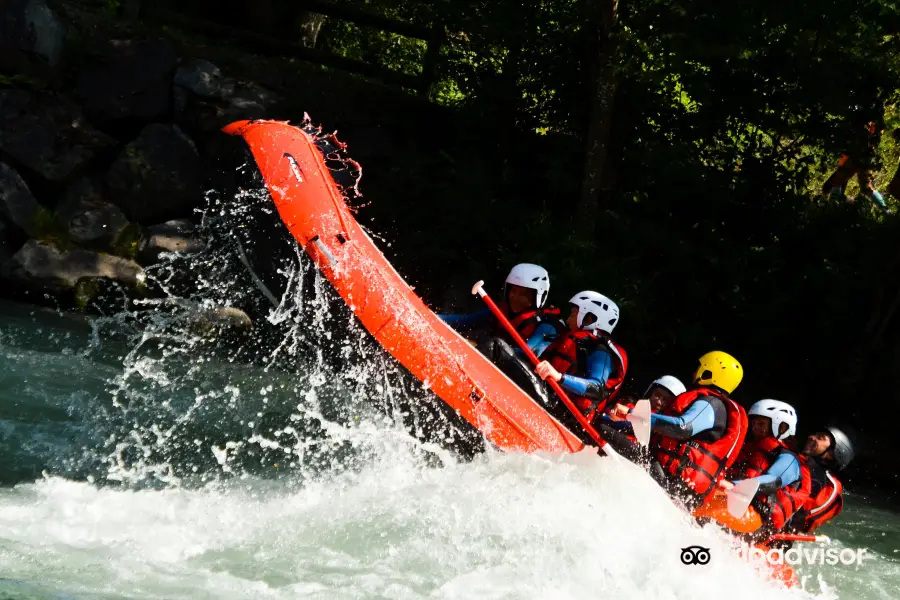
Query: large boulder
{"points": [[43, 266], [17, 205], [158, 176], [89, 219], [205, 99], [177, 236], [47, 134], [28, 29], [201, 78], [133, 82]]}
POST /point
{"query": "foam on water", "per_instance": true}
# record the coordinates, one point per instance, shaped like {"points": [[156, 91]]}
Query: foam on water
{"points": [[501, 527]]}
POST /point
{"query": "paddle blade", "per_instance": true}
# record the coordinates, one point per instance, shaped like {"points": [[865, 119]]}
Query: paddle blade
{"points": [[639, 417], [740, 497], [716, 509]]}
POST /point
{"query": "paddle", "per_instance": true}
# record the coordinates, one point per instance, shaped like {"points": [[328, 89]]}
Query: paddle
{"points": [[478, 289], [639, 417], [740, 497], [796, 537]]}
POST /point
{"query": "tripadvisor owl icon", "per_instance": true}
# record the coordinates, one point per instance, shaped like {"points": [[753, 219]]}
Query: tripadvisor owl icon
{"points": [[695, 555]]}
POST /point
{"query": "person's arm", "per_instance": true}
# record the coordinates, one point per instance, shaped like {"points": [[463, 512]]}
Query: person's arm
{"points": [[542, 337], [593, 386], [624, 426], [482, 318], [783, 472], [699, 417]]}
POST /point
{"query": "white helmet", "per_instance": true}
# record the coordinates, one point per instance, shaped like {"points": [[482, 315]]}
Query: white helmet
{"points": [[532, 277], [605, 311], [673, 384], [779, 412]]}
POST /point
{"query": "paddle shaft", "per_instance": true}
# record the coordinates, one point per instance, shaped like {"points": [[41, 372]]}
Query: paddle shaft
{"points": [[534, 361]]}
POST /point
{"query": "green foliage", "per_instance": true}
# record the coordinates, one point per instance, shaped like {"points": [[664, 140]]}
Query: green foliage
{"points": [[729, 118], [48, 226], [713, 231], [18, 81], [390, 50]]}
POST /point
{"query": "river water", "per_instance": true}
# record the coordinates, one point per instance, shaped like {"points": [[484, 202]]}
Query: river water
{"points": [[105, 500], [139, 458]]}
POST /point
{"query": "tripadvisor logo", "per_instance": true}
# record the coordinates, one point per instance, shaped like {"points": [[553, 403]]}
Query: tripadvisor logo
{"points": [[803, 556]]}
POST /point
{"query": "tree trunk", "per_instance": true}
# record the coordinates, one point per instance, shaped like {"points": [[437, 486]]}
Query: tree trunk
{"points": [[309, 24], [509, 99], [602, 53]]}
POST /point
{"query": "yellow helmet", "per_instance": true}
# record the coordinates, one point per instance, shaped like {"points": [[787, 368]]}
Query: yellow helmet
{"points": [[719, 369]]}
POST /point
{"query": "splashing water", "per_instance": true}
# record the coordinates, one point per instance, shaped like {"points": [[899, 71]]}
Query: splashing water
{"points": [[149, 454]]}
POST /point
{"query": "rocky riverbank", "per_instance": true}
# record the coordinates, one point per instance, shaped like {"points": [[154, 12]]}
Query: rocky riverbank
{"points": [[105, 151]]}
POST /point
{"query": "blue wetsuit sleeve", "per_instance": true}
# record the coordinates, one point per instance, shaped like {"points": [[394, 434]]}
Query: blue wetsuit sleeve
{"points": [[475, 320], [593, 386], [784, 471], [699, 417], [543, 335], [619, 425]]}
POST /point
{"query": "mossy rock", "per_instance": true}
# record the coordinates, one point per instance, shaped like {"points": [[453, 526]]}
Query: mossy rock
{"points": [[128, 241], [48, 226]]}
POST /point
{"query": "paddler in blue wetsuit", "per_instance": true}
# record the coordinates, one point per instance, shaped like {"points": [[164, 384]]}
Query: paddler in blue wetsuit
{"points": [[587, 363], [661, 393], [697, 435], [783, 476], [524, 304]]}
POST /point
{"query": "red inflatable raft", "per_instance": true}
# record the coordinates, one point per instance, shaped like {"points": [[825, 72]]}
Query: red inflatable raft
{"points": [[313, 209]]}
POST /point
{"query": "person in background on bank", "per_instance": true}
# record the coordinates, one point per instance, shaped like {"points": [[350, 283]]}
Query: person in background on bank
{"points": [[857, 161]]}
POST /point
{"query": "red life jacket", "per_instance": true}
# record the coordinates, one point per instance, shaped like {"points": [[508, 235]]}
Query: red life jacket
{"points": [[700, 462], [826, 498], [568, 354], [526, 322], [782, 505]]}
